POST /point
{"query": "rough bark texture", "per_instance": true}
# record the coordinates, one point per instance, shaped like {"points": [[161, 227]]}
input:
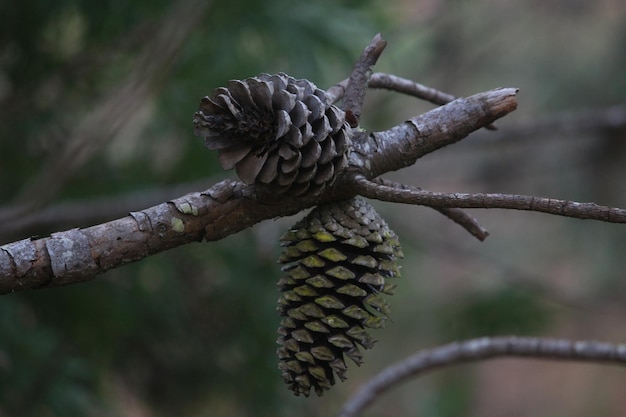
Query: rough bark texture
{"points": [[357, 83], [402, 145]]}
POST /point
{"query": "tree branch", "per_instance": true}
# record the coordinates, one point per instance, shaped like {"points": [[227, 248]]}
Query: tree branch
{"points": [[86, 212], [481, 349], [402, 145], [357, 83], [78, 255], [566, 208], [398, 84], [458, 216], [228, 207], [411, 88], [395, 83]]}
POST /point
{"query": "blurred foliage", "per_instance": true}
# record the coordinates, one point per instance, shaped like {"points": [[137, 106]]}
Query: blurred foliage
{"points": [[502, 311], [191, 331]]}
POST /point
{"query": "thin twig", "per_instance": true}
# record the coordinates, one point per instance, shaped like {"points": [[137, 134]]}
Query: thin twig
{"points": [[411, 88], [336, 92], [481, 349], [357, 84], [565, 208], [458, 216], [398, 84], [394, 83]]}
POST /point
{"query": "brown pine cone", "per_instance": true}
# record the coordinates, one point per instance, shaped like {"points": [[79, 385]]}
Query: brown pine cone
{"points": [[277, 132]]}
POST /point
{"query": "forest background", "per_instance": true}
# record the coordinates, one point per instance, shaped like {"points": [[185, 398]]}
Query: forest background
{"points": [[96, 102]]}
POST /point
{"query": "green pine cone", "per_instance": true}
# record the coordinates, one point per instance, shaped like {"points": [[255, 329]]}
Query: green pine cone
{"points": [[337, 261]]}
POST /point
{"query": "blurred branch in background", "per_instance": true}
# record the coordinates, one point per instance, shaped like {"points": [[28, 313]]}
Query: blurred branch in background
{"points": [[597, 120], [87, 212], [481, 349]]}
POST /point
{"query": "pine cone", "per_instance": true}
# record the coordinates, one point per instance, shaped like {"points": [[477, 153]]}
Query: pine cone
{"points": [[338, 258], [276, 131]]}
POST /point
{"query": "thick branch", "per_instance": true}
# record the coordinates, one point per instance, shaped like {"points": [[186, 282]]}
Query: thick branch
{"points": [[481, 349], [565, 208], [79, 255], [402, 145], [86, 212]]}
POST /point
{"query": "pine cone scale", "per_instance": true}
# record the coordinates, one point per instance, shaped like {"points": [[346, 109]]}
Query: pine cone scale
{"points": [[262, 93], [241, 93]]}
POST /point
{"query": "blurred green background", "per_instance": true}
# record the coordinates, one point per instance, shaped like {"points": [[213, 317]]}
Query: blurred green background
{"points": [[96, 101]]}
